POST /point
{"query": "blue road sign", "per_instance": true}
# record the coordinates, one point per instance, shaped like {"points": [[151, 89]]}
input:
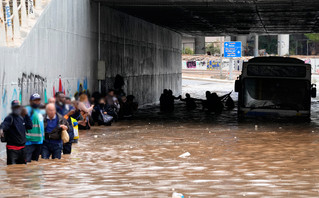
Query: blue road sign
{"points": [[232, 49]]}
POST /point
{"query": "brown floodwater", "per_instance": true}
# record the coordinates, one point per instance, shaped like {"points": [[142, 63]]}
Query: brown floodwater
{"points": [[140, 158]]}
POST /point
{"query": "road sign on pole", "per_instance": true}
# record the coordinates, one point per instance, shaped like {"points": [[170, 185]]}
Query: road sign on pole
{"points": [[232, 49]]}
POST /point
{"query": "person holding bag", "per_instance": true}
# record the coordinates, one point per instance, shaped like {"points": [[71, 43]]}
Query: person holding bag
{"points": [[101, 113], [55, 127]]}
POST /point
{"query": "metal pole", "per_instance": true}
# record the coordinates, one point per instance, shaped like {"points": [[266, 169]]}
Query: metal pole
{"points": [[221, 58], [230, 68], [99, 31], [99, 40], [307, 48], [296, 47]]}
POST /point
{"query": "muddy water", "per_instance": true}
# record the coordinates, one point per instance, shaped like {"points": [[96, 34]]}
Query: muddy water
{"points": [[139, 158]]}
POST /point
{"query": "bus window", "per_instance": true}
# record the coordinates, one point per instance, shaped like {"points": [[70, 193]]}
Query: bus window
{"points": [[276, 71], [269, 93]]}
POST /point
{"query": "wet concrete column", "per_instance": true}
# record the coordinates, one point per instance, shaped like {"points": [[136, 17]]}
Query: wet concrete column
{"points": [[256, 54], [200, 45], [283, 44], [243, 39], [225, 39]]}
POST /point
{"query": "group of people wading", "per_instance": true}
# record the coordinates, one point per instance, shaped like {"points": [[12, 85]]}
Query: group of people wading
{"points": [[212, 104]]}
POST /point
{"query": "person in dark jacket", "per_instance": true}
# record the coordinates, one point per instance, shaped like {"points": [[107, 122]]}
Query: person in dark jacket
{"points": [[128, 106], [54, 123], [190, 102], [164, 100], [13, 129], [60, 103], [100, 110], [67, 147], [65, 110]]}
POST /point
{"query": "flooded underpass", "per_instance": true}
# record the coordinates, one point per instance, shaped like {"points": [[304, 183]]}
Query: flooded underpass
{"points": [[140, 157]]}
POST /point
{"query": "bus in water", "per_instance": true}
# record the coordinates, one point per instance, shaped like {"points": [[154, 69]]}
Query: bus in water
{"points": [[275, 87]]}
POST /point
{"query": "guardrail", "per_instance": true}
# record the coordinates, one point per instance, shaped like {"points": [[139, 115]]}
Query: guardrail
{"points": [[16, 15]]}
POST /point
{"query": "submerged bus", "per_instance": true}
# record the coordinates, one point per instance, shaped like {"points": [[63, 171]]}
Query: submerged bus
{"points": [[275, 86]]}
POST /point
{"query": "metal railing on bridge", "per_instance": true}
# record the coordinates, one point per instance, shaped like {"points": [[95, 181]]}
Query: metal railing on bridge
{"points": [[16, 17]]}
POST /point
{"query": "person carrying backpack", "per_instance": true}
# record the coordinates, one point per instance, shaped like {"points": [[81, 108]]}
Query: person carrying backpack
{"points": [[13, 131]]}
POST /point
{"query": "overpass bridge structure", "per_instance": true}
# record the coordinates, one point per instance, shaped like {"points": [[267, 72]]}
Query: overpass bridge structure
{"points": [[78, 45], [225, 17]]}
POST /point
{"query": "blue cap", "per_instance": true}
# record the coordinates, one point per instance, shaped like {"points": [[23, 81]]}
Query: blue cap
{"points": [[35, 96], [15, 103]]}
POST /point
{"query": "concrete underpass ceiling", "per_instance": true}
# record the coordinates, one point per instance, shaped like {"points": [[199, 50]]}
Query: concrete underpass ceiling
{"points": [[225, 17]]}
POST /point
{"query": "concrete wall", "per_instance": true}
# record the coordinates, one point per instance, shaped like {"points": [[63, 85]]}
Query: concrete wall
{"points": [[61, 44], [62, 47], [147, 56]]}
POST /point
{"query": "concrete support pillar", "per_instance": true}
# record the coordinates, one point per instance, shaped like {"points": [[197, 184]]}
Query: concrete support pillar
{"points": [[256, 53], [24, 21], [225, 39], [31, 9], [9, 22], [16, 21], [200, 47], [283, 44], [243, 40], [2, 27]]}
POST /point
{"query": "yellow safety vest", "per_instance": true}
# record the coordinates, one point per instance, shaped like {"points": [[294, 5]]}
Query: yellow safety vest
{"points": [[75, 128]]}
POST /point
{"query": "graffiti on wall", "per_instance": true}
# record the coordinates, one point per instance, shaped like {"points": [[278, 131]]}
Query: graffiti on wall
{"points": [[30, 84], [211, 65], [4, 102], [191, 64]]}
